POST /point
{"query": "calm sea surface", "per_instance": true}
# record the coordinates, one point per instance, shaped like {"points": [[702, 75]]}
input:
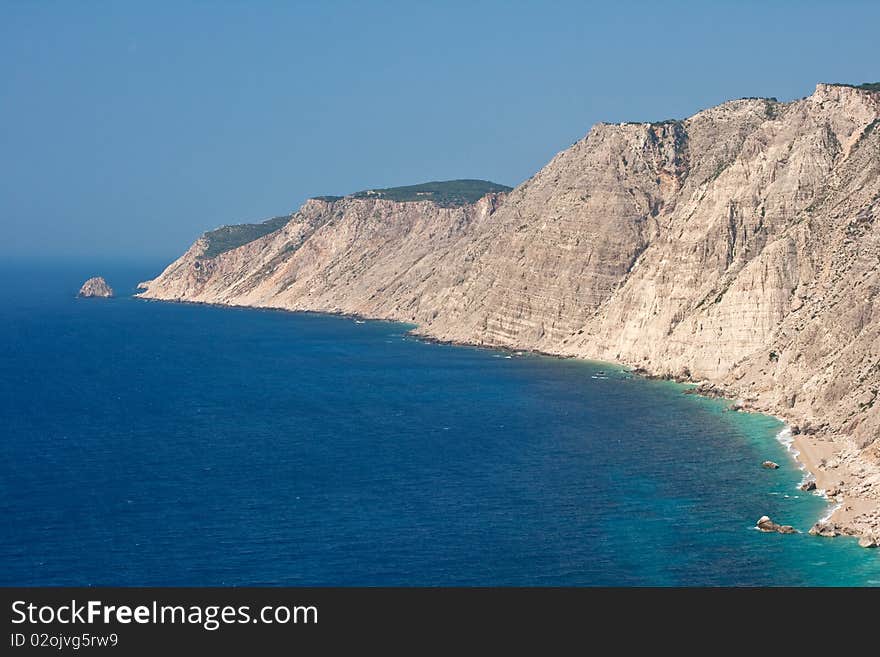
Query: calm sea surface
{"points": [[162, 444]]}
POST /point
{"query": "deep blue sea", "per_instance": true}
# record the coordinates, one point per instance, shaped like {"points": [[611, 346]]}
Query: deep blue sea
{"points": [[147, 443]]}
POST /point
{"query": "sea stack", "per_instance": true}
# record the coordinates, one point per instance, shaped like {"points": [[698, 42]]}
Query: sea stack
{"points": [[95, 287]]}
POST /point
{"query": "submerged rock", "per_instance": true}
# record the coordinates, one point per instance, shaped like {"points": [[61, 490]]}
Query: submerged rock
{"points": [[809, 484], [767, 525], [770, 465], [95, 287]]}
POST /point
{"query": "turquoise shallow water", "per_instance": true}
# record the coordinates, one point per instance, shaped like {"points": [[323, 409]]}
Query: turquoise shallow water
{"points": [[147, 443]]}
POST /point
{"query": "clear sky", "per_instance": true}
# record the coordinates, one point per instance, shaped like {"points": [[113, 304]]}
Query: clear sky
{"points": [[127, 129]]}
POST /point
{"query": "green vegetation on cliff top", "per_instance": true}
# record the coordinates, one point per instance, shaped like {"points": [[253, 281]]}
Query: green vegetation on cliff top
{"points": [[227, 238], [447, 194], [867, 86]]}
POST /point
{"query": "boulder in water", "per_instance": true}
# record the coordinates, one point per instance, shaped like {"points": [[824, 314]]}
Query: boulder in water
{"points": [[767, 525]]}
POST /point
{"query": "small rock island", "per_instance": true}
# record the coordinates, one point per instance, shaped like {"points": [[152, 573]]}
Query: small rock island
{"points": [[95, 287]]}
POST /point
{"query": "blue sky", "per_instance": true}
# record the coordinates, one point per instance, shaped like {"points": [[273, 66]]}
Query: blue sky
{"points": [[127, 129]]}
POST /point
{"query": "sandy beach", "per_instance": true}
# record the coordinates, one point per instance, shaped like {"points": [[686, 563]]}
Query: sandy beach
{"points": [[846, 481]]}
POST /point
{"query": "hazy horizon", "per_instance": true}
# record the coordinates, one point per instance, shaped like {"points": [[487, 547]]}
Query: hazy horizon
{"points": [[130, 130]]}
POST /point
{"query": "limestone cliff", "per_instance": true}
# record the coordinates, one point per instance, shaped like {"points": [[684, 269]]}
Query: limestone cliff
{"points": [[739, 247]]}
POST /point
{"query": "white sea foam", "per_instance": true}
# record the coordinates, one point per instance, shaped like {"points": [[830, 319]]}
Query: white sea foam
{"points": [[807, 477], [831, 511], [787, 439]]}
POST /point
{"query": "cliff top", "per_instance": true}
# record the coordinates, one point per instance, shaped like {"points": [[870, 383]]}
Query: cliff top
{"points": [[865, 86], [447, 193], [227, 238], [873, 87], [456, 193]]}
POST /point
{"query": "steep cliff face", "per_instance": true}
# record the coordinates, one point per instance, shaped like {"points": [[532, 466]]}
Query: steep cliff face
{"points": [[739, 247], [376, 257]]}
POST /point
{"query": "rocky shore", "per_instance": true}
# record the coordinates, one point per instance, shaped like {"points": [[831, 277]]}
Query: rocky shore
{"points": [[836, 470]]}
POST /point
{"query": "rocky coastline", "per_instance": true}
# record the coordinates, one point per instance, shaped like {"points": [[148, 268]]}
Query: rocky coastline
{"points": [[737, 250]]}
